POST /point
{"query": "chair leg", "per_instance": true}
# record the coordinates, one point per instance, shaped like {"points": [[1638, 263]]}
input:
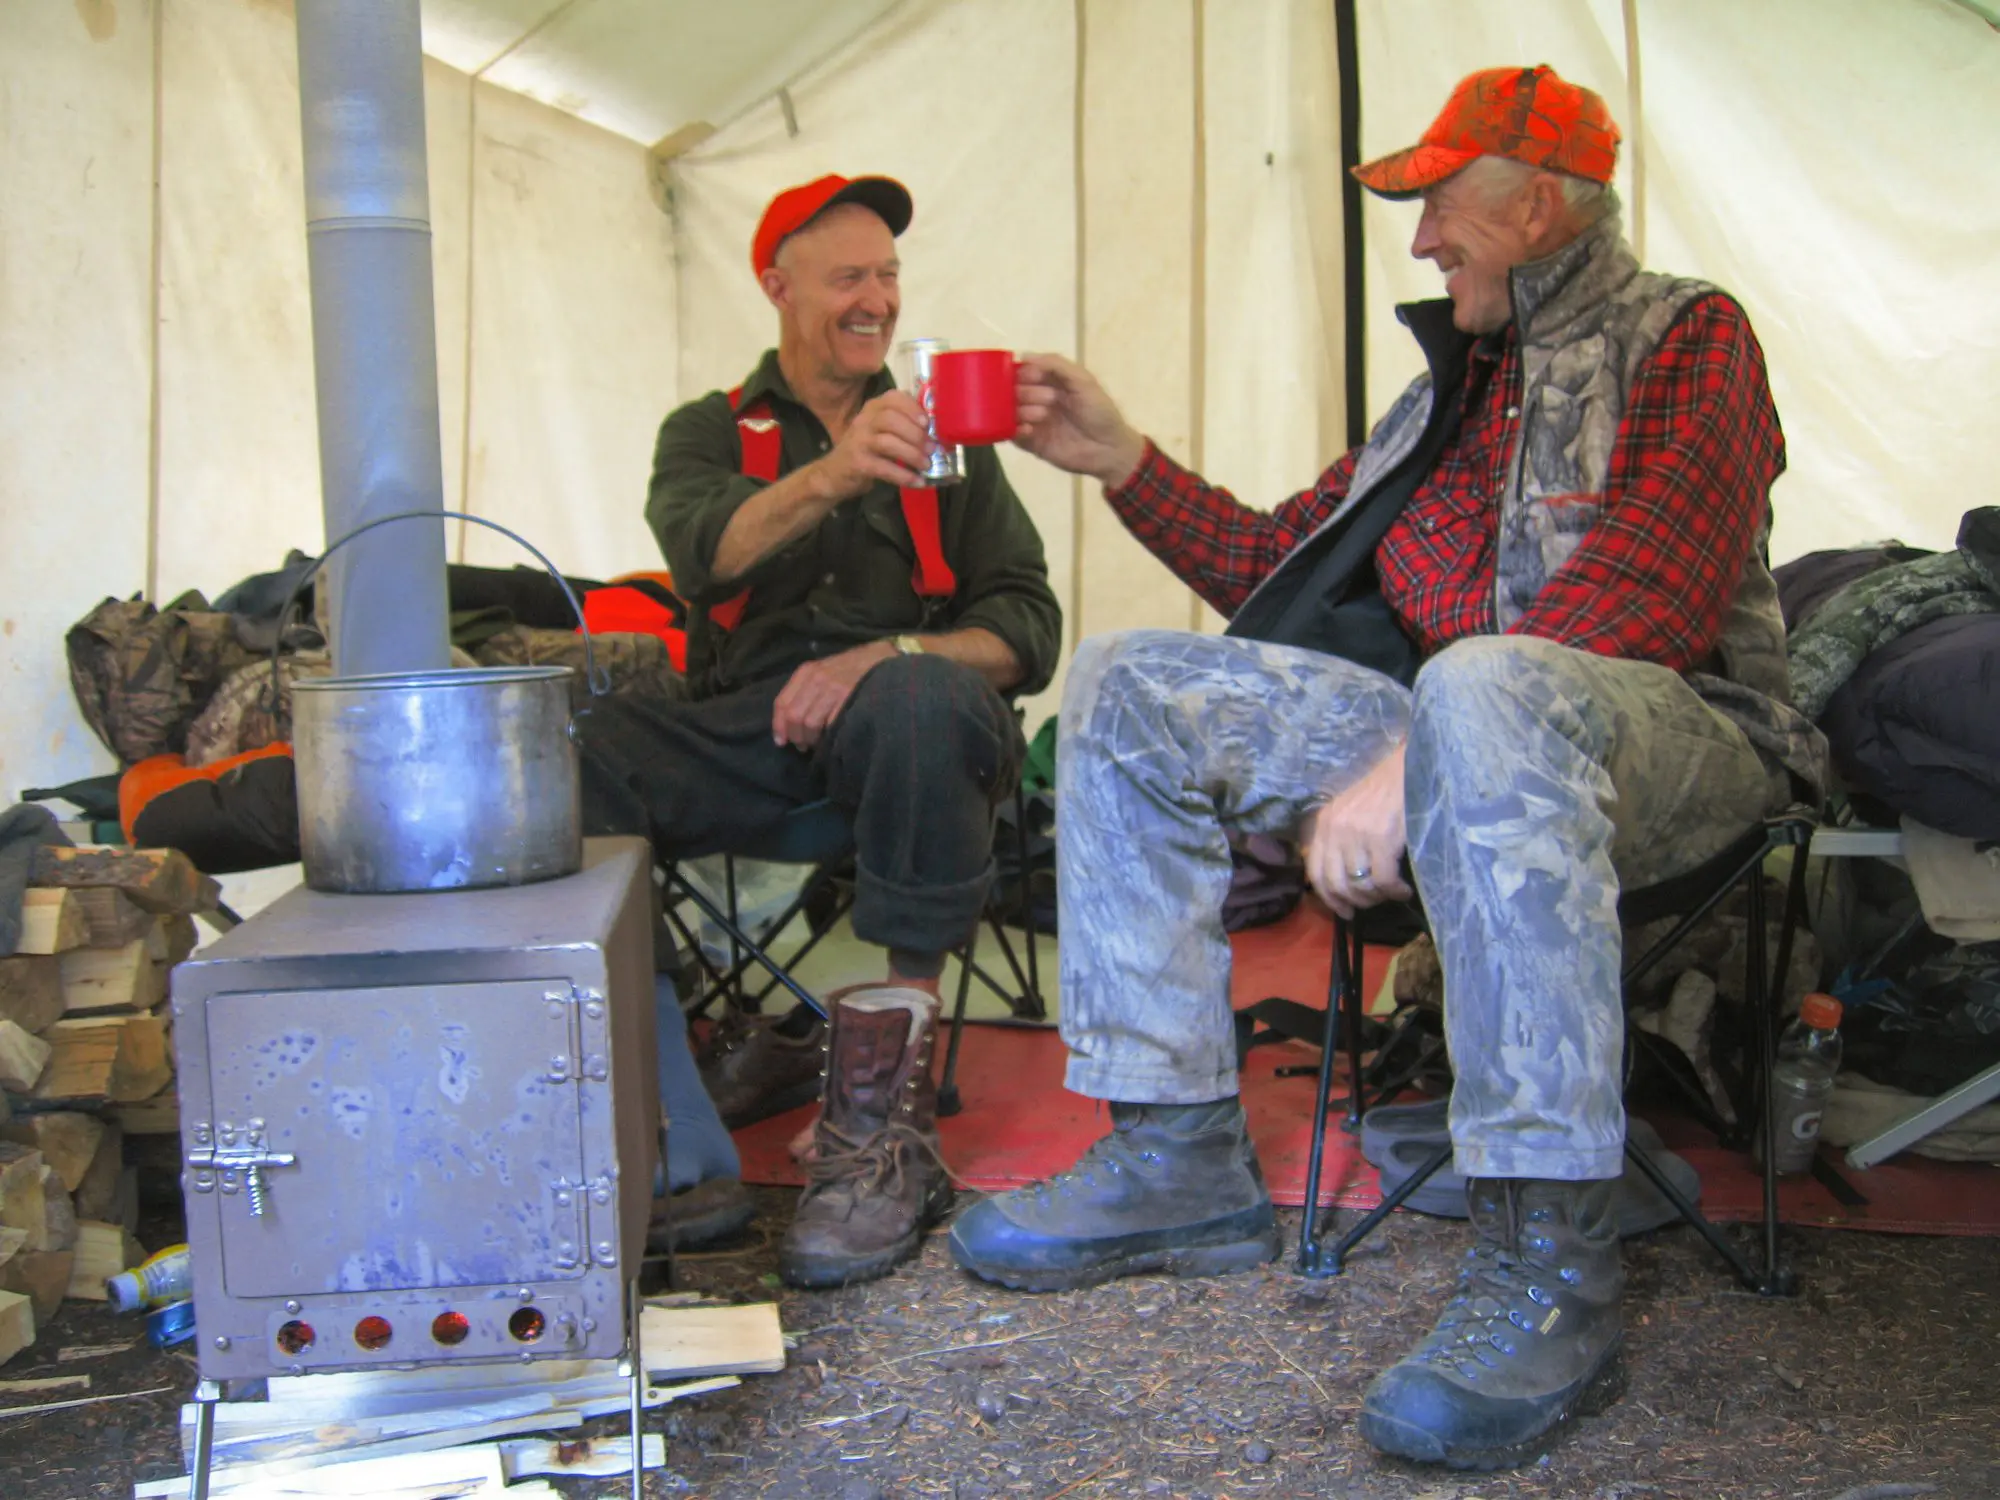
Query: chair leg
{"points": [[948, 1101], [1344, 988], [1309, 1225], [1769, 1283], [1332, 1259], [1034, 1006], [1763, 1000], [735, 954]]}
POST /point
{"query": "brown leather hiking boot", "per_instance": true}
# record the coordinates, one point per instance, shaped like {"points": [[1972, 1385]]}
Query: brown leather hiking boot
{"points": [[753, 1070], [876, 1180]]}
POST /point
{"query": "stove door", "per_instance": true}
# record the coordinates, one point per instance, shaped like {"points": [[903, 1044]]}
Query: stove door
{"points": [[409, 1137]]}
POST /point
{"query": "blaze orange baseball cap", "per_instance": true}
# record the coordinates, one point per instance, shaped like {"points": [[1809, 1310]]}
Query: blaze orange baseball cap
{"points": [[1525, 114], [795, 207]]}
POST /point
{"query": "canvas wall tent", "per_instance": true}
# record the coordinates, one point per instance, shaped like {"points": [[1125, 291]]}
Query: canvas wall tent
{"points": [[1151, 183]]}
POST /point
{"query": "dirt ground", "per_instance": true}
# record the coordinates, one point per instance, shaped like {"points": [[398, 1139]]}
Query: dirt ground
{"points": [[1878, 1381]]}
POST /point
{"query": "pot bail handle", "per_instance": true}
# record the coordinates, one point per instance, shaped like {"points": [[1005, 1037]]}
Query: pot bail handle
{"points": [[596, 678]]}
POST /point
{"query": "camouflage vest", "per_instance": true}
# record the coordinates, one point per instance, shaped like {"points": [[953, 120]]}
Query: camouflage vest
{"points": [[1588, 319]]}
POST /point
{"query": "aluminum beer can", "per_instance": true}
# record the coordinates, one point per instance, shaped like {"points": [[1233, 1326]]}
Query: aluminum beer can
{"points": [[945, 463]]}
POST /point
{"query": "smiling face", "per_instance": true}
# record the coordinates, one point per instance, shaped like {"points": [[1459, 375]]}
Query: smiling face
{"points": [[1479, 224], [835, 288]]}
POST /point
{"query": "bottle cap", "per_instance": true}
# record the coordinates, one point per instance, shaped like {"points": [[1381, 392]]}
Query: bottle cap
{"points": [[1821, 1012]]}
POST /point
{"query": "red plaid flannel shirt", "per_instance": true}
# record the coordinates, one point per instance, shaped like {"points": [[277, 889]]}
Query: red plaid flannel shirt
{"points": [[1690, 477]]}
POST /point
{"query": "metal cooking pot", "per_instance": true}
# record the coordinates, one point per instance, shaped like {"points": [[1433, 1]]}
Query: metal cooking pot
{"points": [[426, 781], [438, 780]]}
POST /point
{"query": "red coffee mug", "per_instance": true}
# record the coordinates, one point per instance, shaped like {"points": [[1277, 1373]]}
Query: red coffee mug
{"points": [[972, 396]]}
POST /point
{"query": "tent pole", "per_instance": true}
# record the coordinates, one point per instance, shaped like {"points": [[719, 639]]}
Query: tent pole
{"points": [[1354, 321]]}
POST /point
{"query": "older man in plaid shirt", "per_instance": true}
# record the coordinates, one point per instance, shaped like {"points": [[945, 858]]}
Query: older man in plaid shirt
{"points": [[1528, 631]]}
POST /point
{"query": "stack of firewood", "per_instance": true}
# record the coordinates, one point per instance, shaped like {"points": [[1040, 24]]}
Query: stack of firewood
{"points": [[85, 1061]]}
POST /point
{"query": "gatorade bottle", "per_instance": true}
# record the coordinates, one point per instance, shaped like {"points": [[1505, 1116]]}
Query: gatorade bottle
{"points": [[162, 1278], [1808, 1057]]}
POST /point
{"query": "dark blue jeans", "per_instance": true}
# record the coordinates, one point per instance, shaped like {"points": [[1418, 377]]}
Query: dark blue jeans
{"points": [[919, 758]]}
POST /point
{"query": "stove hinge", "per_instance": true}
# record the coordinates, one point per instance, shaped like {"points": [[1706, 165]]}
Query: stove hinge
{"points": [[587, 1209]]}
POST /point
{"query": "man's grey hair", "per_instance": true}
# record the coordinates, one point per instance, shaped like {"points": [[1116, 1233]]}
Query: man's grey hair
{"points": [[1498, 177]]}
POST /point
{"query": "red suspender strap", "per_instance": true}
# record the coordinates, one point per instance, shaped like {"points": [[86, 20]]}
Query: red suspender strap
{"points": [[762, 442], [763, 446], [933, 578]]}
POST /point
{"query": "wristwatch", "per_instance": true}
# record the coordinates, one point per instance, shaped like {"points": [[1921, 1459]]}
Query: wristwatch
{"points": [[908, 645]]}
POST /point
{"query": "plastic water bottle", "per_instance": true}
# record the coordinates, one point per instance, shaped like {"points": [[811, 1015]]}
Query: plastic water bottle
{"points": [[162, 1278], [1808, 1057]]}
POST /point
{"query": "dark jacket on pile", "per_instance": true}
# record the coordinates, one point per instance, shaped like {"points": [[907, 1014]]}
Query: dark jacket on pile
{"points": [[1897, 653]]}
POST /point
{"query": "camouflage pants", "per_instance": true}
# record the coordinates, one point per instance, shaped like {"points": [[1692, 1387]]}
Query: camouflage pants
{"points": [[1538, 778]]}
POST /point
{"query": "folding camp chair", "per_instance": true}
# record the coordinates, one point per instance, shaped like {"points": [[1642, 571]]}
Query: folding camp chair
{"points": [[818, 835], [1689, 897]]}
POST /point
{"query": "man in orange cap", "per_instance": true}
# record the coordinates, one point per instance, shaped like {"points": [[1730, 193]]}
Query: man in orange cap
{"points": [[852, 633], [1520, 650]]}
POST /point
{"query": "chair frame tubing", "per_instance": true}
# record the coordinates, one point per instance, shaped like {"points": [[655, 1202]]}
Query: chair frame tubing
{"points": [[1765, 997]]}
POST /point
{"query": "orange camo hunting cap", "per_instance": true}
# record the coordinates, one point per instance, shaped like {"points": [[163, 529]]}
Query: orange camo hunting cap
{"points": [[1529, 115]]}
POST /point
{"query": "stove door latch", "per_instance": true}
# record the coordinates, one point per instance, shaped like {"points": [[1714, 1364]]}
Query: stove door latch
{"points": [[235, 1156]]}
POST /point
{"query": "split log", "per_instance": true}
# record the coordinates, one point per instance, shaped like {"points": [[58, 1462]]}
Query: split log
{"points": [[58, 1214], [24, 1058], [171, 939], [31, 991], [158, 879], [118, 1058], [68, 1141], [17, 1324], [97, 1189], [114, 918], [96, 979], [23, 1204], [159, 1115], [42, 1276], [51, 922], [102, 1251]]}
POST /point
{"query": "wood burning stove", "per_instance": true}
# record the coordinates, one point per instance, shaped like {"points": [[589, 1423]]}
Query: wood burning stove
{"points": [[422, 1128]]}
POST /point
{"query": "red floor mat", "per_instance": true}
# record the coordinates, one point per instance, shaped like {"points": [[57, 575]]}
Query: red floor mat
{"points": [[1019, 1123]]}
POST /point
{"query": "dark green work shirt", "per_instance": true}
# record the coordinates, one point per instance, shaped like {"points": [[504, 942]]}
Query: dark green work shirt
{"points": [[850, 579]]}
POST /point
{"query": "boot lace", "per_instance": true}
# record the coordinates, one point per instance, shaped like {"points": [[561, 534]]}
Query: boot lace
{"points": [[1499, 1304], [1113, 1154], [870, 1165]]}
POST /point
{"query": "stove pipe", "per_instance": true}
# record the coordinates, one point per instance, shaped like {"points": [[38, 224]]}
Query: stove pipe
{"points": [[368, 242]]}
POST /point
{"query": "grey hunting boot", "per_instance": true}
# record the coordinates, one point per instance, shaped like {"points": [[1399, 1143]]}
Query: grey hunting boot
{"points": [[875, 1181], [1530, 1339], [1174, 1187]]}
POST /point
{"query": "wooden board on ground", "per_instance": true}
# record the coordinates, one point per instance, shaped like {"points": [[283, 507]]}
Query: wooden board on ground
{"points": [[17, 1324], [157, 879], [114, 918], [51, 922], [42, 1276], [24, 1058], [688, 1341], [102, 1251], [120, 1058], [67, 1139], [126, 978], [31, 991], [159, 1115]]}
